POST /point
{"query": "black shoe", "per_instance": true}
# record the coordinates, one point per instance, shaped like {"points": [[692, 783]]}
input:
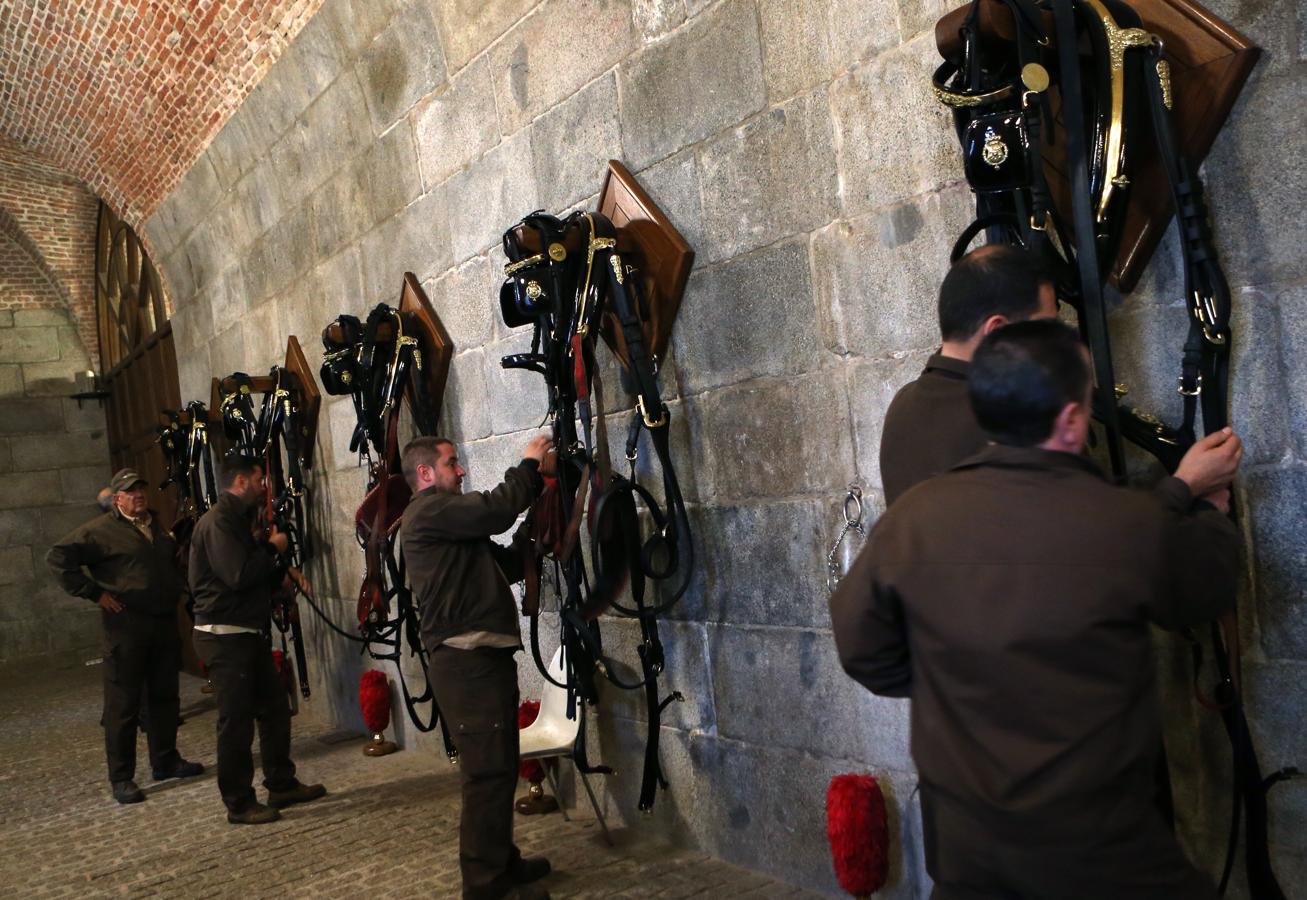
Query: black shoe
{"points": [[127, 792], [300, 793], [254, 814], [181, 769], [528, 869]]}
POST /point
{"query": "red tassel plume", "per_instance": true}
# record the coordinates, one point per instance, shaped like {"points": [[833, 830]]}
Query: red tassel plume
{"points": [[374, 700], [529, 769], [859, 834]]}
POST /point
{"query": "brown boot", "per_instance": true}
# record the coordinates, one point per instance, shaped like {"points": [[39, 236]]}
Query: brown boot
{"points": [[254, 814], [300, 793]]}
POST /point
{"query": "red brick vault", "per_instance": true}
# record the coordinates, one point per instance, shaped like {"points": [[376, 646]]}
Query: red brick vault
{"points": [[125, 94]]}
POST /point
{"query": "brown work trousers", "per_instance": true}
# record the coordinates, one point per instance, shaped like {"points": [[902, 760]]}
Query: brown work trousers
{"points": [[1125, 853], [477, 694]]}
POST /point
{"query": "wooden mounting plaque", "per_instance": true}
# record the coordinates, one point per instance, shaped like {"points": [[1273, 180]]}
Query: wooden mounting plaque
{"points": [[433, 340], [1210, 62], [303, 382], [655, 248]]}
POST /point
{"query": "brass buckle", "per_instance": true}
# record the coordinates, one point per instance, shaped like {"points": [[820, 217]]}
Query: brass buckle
{"points": [[1196, 392], [644, 414]]}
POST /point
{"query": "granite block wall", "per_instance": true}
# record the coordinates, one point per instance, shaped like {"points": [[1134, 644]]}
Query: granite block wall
{"points": [[796, 145], [54, 458]]}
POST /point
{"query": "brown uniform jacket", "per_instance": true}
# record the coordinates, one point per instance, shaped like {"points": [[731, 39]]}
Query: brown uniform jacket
{"points": [[459, 576], [929, 427], [1010, 599], [232, 575], [111, 554]]}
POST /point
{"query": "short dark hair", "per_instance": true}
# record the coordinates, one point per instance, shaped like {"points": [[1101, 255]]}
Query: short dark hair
{"points": [[1022, 376], [234, 464], [993, 280], [421, 451]]}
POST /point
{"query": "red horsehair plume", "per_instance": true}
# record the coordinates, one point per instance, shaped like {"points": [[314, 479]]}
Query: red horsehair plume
{"points": [[529, 769], [858, 833], [374, 700]]}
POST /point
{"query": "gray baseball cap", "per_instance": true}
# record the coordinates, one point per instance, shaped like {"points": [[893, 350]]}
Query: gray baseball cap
{"points": [[126, 479]]}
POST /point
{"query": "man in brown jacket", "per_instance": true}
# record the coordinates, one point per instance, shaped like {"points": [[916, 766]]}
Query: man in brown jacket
{"points": [[1010, 598], [929, 426], [122, 561], [469, 625]]}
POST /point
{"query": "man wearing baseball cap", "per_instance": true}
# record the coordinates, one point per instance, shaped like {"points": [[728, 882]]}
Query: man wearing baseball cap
{"points": [[123, 562]]}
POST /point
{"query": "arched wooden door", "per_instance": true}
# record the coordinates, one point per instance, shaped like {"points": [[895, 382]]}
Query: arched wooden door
{"points": [[139, 364]]}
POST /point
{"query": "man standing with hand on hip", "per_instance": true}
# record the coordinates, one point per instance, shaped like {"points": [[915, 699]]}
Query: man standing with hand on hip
{"points": [[123, 562]]}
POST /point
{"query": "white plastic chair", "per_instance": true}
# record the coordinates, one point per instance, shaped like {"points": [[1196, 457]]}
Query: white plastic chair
{"points": [[554, 734]]}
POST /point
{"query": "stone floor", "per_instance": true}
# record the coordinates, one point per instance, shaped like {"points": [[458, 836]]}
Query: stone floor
{"points": [[388, 828]]}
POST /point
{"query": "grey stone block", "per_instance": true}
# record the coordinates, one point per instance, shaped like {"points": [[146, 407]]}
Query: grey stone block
{"points": [[227, 354], [465, 298], [706, 76], [356, 24], [36, 318], [332, 132], [11, 380], [312, 61], [233, 151], [338, 210], [771, 177], [1258, 384], [227, 295], [265, 341], [50, 379], [57, 521], [878, 277], [390, 173], [916, 16], [685, 650], [1250, 189], [872, 385], [33, 453], [29, 345], [404, 64], [1275, 699], [655, 18], [772, 438], [764, 563], [894, 142], [749, 317], [490, 195], [415, 240], [1146, 346], [795, 46], [195, 373], [193, 198], [859, 30], [469, 26], [6, 318], [210, 249], [517, 398], [338, 288], [533, 71], [84, 482], [6, 459], [1275, 499], [1292, 305], [757, 671], [34, 489], [573, 142], [16, 564], [340, 419], [457, 125], [674, 185], [466, 413], [32, 416], [71, 350], [178, 277]]}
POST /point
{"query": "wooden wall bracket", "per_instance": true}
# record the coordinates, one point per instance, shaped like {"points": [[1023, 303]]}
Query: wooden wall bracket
{"points": [[650, 242], [433, 340]]}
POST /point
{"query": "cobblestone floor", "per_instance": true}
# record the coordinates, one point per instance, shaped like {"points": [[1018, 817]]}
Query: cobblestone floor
{"points": [[388, 828]]}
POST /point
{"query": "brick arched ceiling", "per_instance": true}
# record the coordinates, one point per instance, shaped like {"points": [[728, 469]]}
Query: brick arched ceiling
{"points": [[125, 94]]}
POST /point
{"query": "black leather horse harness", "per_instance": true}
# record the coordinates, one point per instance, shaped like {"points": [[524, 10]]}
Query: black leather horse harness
{"points": [[564, 277]]}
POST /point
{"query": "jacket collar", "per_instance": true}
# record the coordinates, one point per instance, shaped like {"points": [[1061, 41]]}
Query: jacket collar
{"points": [[948, 366], [1002, 456], [231, 505]]}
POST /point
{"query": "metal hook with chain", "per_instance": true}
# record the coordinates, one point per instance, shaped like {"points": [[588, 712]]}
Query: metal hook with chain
{"points": [[852, 522]]}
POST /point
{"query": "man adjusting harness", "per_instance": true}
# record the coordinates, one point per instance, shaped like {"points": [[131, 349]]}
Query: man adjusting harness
{"points": [[470, 630]]}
